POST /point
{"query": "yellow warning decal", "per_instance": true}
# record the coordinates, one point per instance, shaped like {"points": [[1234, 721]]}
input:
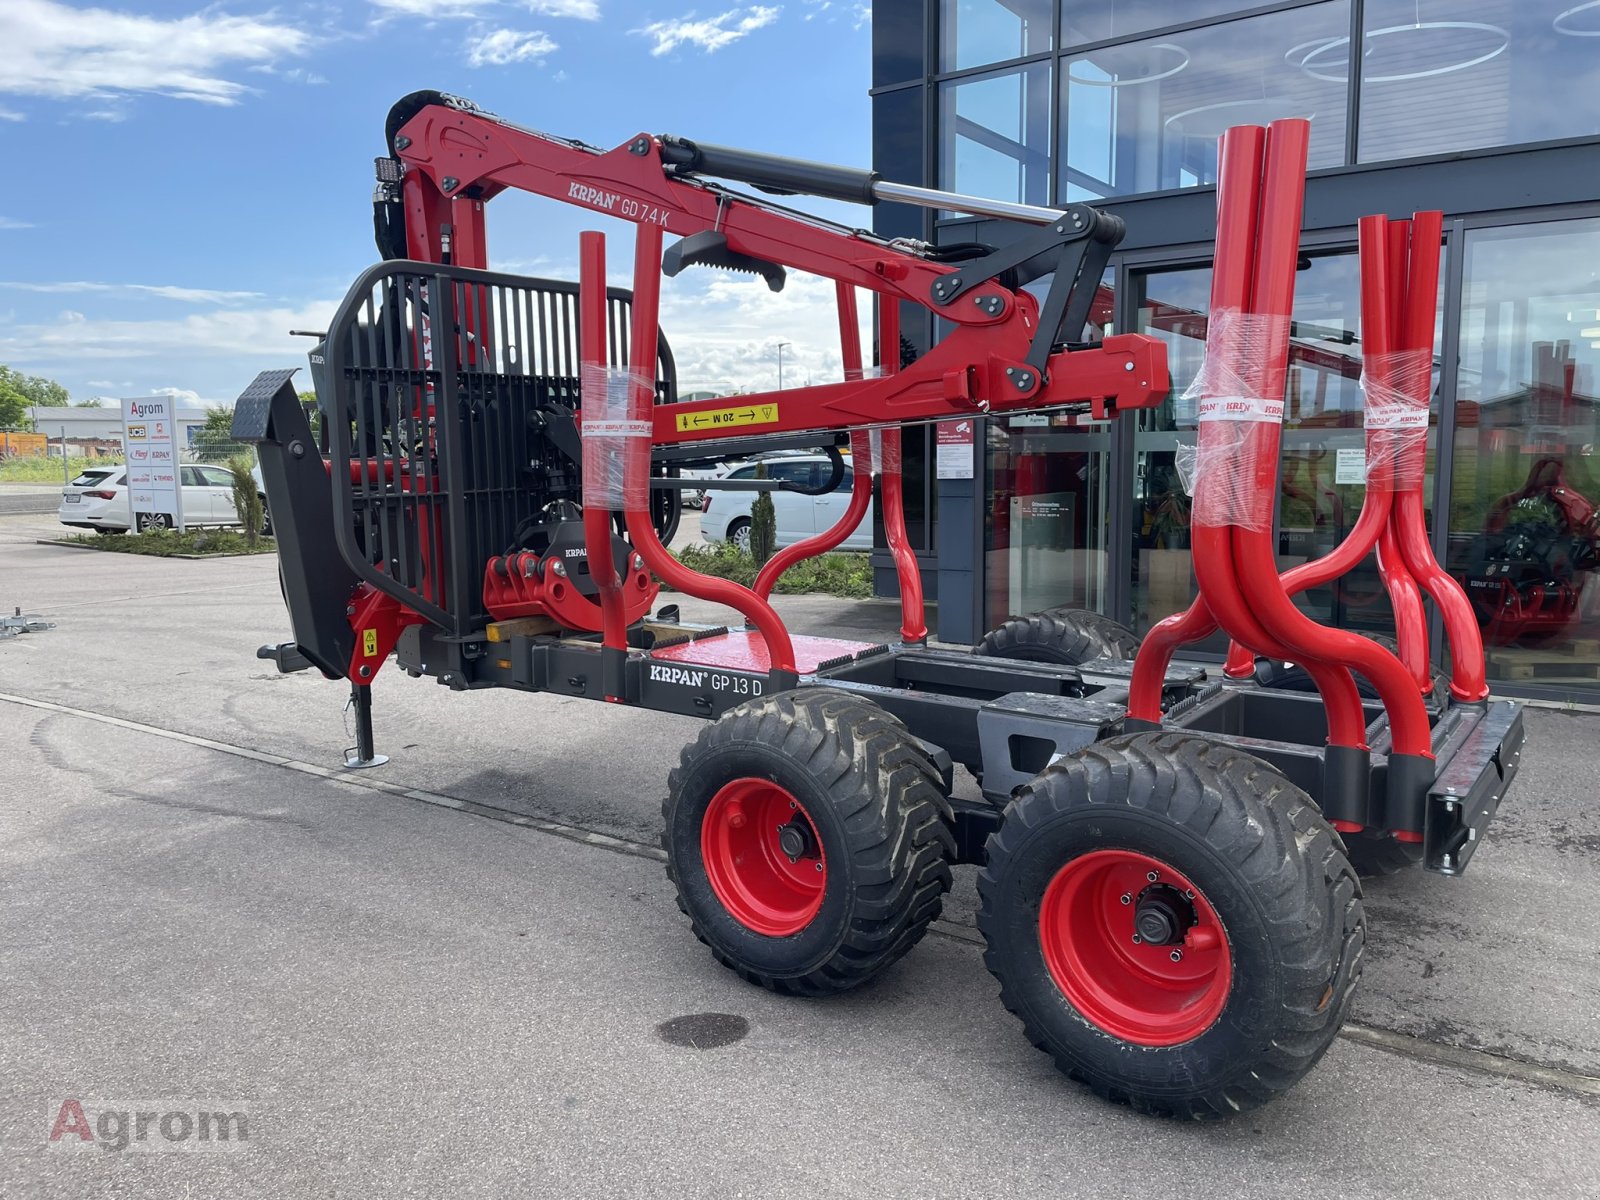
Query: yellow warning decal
{"points": [[721, 418], [369, 643]]}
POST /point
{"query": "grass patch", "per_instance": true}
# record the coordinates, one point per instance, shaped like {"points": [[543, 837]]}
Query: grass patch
{"points": [[838, 574], [37, 469], [167, 543]]}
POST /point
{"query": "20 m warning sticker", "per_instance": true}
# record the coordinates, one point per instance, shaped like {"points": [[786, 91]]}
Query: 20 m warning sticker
{"points": [[721, 418]]}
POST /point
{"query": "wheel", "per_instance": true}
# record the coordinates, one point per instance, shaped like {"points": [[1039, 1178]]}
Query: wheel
{"points": [[1069, 636], [104, 532], [808, 836], [1174, 923], [739, 534], [1377, 854], [1122, 642], [1291, 677], [145, 522], [266, 519]]}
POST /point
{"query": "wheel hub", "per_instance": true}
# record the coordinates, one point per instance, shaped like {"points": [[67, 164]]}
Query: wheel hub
{"points": [[763, 857], [1135, 947], [796, 839], [1162, 916]]}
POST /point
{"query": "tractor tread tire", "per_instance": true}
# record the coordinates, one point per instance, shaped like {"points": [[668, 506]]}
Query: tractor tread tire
{"points": [[1298, 911], [1376, 855], [1122, 642], [1069, 637], [883, 801]]}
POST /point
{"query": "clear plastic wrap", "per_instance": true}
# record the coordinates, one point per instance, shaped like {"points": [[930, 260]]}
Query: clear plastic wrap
{"points": [[1398, 388], [1231, 470], [883, 450], [616, 406]]}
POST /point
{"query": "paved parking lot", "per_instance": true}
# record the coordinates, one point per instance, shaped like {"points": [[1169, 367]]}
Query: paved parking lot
{"points": [[457, 991]]}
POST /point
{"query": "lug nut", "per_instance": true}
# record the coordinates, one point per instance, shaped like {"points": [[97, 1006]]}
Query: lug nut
{"points": [[1176, 956], [794, 804], [1188, 894], [1152, 877], [1126, 898], [1137, 940], [819, 866]]}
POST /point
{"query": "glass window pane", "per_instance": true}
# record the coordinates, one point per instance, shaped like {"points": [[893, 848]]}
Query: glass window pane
{"points": [[1045, 528], [1084, 21], [1145, 116], [974, 33], [995, 135], [1438, 77], [1524, 528]]}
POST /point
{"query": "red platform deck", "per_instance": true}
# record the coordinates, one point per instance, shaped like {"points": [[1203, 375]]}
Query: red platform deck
{"points": [[744, 650]]}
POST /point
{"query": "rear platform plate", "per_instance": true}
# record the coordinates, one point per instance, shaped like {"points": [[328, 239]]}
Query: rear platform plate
{"points": [[746, 650]]}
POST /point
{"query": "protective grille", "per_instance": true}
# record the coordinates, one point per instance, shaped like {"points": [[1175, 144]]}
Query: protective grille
{"points": [[452, 423]]}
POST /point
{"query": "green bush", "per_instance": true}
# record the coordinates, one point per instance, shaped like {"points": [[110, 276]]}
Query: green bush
{"points": [[246, 500], [165, 543], [39, 468], [838, 574], [763, 523]]}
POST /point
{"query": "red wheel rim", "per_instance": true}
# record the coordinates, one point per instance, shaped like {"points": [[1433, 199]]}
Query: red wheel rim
{"points": [[1135, 990], [750, 828]]}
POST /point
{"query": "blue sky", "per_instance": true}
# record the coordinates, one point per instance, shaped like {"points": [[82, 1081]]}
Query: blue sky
{"points": [[188, 183]]}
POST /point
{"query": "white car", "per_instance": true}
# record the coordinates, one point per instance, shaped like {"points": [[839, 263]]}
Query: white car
{"points": [[725, 515], [721, 470], [98, 500]]}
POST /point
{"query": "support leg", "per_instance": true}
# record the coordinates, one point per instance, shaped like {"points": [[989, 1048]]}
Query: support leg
{"points": [[362, 755]]}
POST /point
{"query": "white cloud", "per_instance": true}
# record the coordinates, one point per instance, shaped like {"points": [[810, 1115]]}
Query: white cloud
{"points": [[58, 51], [711, 33], [578, 10], [502, 47], [181, 395], [433, 9], [247, 336], [725, 328], [160, 291], [13, 223], [439, 10], [8, 114]]}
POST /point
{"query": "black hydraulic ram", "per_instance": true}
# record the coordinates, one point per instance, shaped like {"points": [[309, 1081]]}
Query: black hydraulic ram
{"points": [[1074, 245]]}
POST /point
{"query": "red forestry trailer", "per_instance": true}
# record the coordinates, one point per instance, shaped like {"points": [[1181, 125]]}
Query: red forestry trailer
{"points": [[1168, 853]]}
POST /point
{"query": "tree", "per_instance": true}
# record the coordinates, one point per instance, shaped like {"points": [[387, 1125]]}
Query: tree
{"points": [[214, 442], [13, 405], [35, 389], [308, 401], [763, 523], [91, 402]]}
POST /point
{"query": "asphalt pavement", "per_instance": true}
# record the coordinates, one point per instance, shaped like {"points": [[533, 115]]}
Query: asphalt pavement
{"points": [[458, 974]]}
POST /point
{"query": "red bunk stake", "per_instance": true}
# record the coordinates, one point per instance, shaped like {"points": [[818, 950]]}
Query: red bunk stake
{"points": [[860, 462], [596, 515], [1306, 641], [913, 616], [1222, 443], [1468, 669], [646, 307]]}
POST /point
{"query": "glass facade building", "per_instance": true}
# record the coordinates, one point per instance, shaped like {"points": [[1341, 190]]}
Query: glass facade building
{"points": [[1487, 109]]}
